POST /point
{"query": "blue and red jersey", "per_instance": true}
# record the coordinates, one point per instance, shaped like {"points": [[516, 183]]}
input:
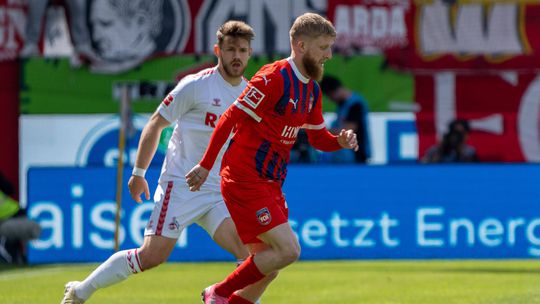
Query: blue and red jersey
{"points": [[277, 102]]}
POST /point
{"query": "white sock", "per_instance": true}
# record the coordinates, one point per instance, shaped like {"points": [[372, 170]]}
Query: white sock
{"points": [[116, 269]]}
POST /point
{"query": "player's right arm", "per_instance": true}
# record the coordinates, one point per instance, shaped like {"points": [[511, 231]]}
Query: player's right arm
{"points": [[180, 101], [147, 148], [196, 177], [259, 95]]}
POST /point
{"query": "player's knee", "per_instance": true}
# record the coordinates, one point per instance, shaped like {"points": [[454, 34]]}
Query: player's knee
{"points": [[295, 254], [295, 248], [290, 255]]}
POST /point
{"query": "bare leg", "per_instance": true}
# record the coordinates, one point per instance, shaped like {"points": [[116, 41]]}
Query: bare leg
{"points": [[283, 249], [226, 236], [155, 250]]}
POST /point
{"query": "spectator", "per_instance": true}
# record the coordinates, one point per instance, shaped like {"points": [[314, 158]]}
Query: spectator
{"points": [[302, 152], [351, 113], [78, 29], [15, 228], [453, 147]]}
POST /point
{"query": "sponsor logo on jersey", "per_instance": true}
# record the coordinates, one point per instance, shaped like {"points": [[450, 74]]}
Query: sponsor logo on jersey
{"points": [[254, 97], [290, 132], [216, 102], [266, 81], [167, 101], [174, 225], [264, 216], [293, 102], [131, 260]]}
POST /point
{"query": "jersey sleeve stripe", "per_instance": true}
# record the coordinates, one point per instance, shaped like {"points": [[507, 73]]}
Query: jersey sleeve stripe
{"points": [[248, 111], [313, 127]]}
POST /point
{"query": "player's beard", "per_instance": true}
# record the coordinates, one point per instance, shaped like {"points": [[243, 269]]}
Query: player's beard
{"points": [[314, 69], [231, 71]]}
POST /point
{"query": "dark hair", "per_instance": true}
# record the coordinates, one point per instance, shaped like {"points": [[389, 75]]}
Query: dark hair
{"points": [[459, 122], [235, 29], [329, 84], [5, 185], [455, 136]]}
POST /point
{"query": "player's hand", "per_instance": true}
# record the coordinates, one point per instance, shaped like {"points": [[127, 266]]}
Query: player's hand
{"points": [[196, 178], [347, 139], [137, 185]]}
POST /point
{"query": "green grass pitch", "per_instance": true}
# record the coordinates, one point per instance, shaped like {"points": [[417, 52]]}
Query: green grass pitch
{"points": [[362, 282]]}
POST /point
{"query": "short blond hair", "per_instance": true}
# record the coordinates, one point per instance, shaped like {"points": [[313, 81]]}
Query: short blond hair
{"points": [[235, 29], [311, 25]]}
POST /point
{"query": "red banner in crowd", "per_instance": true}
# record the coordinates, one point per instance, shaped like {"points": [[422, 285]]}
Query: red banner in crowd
{"points": [[12, 26], [9, 122], [471, 35], [361, 24], [102, 34], [503, 110]]}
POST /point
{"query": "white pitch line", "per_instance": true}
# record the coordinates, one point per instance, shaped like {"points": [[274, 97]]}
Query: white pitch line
{"points": [[20, 274]]}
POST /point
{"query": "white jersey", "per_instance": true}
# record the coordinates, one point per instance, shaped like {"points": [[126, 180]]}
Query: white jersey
{"points": [[195, 105]]}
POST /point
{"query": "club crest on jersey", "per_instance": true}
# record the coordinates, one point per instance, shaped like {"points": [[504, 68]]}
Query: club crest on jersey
{"points": [[174, 225], [167, 101], [266, 81], [264, 216], [254, 97], [216, 102]]}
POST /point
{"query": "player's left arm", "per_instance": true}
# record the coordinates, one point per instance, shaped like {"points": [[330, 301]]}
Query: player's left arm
{"points": [[323, 140], [320, 138]]}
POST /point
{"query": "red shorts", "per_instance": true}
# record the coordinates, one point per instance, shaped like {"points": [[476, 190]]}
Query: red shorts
{"points": [[255, 208]]}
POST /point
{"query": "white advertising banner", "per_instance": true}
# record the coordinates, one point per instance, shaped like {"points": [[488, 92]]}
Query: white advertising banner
{"points": [[74, 141], [92, 141]]}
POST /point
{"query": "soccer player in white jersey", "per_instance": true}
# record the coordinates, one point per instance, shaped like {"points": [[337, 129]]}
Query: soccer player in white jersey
{"points": [[195, 104]]}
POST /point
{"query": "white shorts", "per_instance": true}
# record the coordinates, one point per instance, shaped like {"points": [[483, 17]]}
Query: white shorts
{"points": [[176, 208]]}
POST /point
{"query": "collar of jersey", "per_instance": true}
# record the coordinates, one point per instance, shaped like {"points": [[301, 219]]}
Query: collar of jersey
{"points": [[302, 78]]}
